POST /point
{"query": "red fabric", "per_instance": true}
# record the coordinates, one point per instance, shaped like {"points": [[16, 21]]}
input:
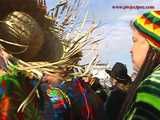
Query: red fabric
{"points": [[4, 108]]}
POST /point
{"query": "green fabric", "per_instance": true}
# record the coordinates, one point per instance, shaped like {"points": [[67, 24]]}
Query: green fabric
{"points": [[132, 114], [153, 90], [151, 17], [147, 96], [149, 99], [8, 80], [151, 84], [17, 87], [147, 32]]}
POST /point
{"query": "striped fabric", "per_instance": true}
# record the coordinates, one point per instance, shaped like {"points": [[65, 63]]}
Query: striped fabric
{"points": [[147, 101], [149, 25]]}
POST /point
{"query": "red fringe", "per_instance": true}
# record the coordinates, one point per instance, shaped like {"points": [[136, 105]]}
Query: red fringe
{"points": [[4, 108]]}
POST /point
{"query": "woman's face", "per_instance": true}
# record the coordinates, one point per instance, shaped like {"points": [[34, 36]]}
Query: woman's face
{"points": [[139, 50]]}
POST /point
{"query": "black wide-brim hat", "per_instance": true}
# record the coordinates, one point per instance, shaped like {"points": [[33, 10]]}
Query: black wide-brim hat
{"points": [[119, 72]]}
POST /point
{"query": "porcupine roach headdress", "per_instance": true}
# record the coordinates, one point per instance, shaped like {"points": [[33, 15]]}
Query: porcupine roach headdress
{"points": [[27, 35], [24, 31]]}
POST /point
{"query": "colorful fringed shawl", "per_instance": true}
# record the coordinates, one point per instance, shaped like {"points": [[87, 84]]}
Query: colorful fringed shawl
{"points": [[14, 88], [75, 100]]}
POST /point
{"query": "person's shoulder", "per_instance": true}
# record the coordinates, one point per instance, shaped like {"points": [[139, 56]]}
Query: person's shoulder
{"points": [[152, 81], [148, 92], [147, 100]]}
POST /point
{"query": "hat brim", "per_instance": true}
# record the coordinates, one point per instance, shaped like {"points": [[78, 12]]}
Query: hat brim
{"points": [[125, 80], [108, 71]]}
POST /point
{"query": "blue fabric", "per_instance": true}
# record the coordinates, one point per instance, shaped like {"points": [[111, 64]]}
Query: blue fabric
{"points": [[81, 102]]}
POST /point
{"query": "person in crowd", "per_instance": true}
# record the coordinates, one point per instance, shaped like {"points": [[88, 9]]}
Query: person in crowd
{"points": [[30, 38], [100, 90], [120, 85], [95, 84], [143, 101], [73, 99]]}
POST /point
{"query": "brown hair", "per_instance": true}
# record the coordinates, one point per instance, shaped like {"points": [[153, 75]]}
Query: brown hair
{"points": [[151, 61]]}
